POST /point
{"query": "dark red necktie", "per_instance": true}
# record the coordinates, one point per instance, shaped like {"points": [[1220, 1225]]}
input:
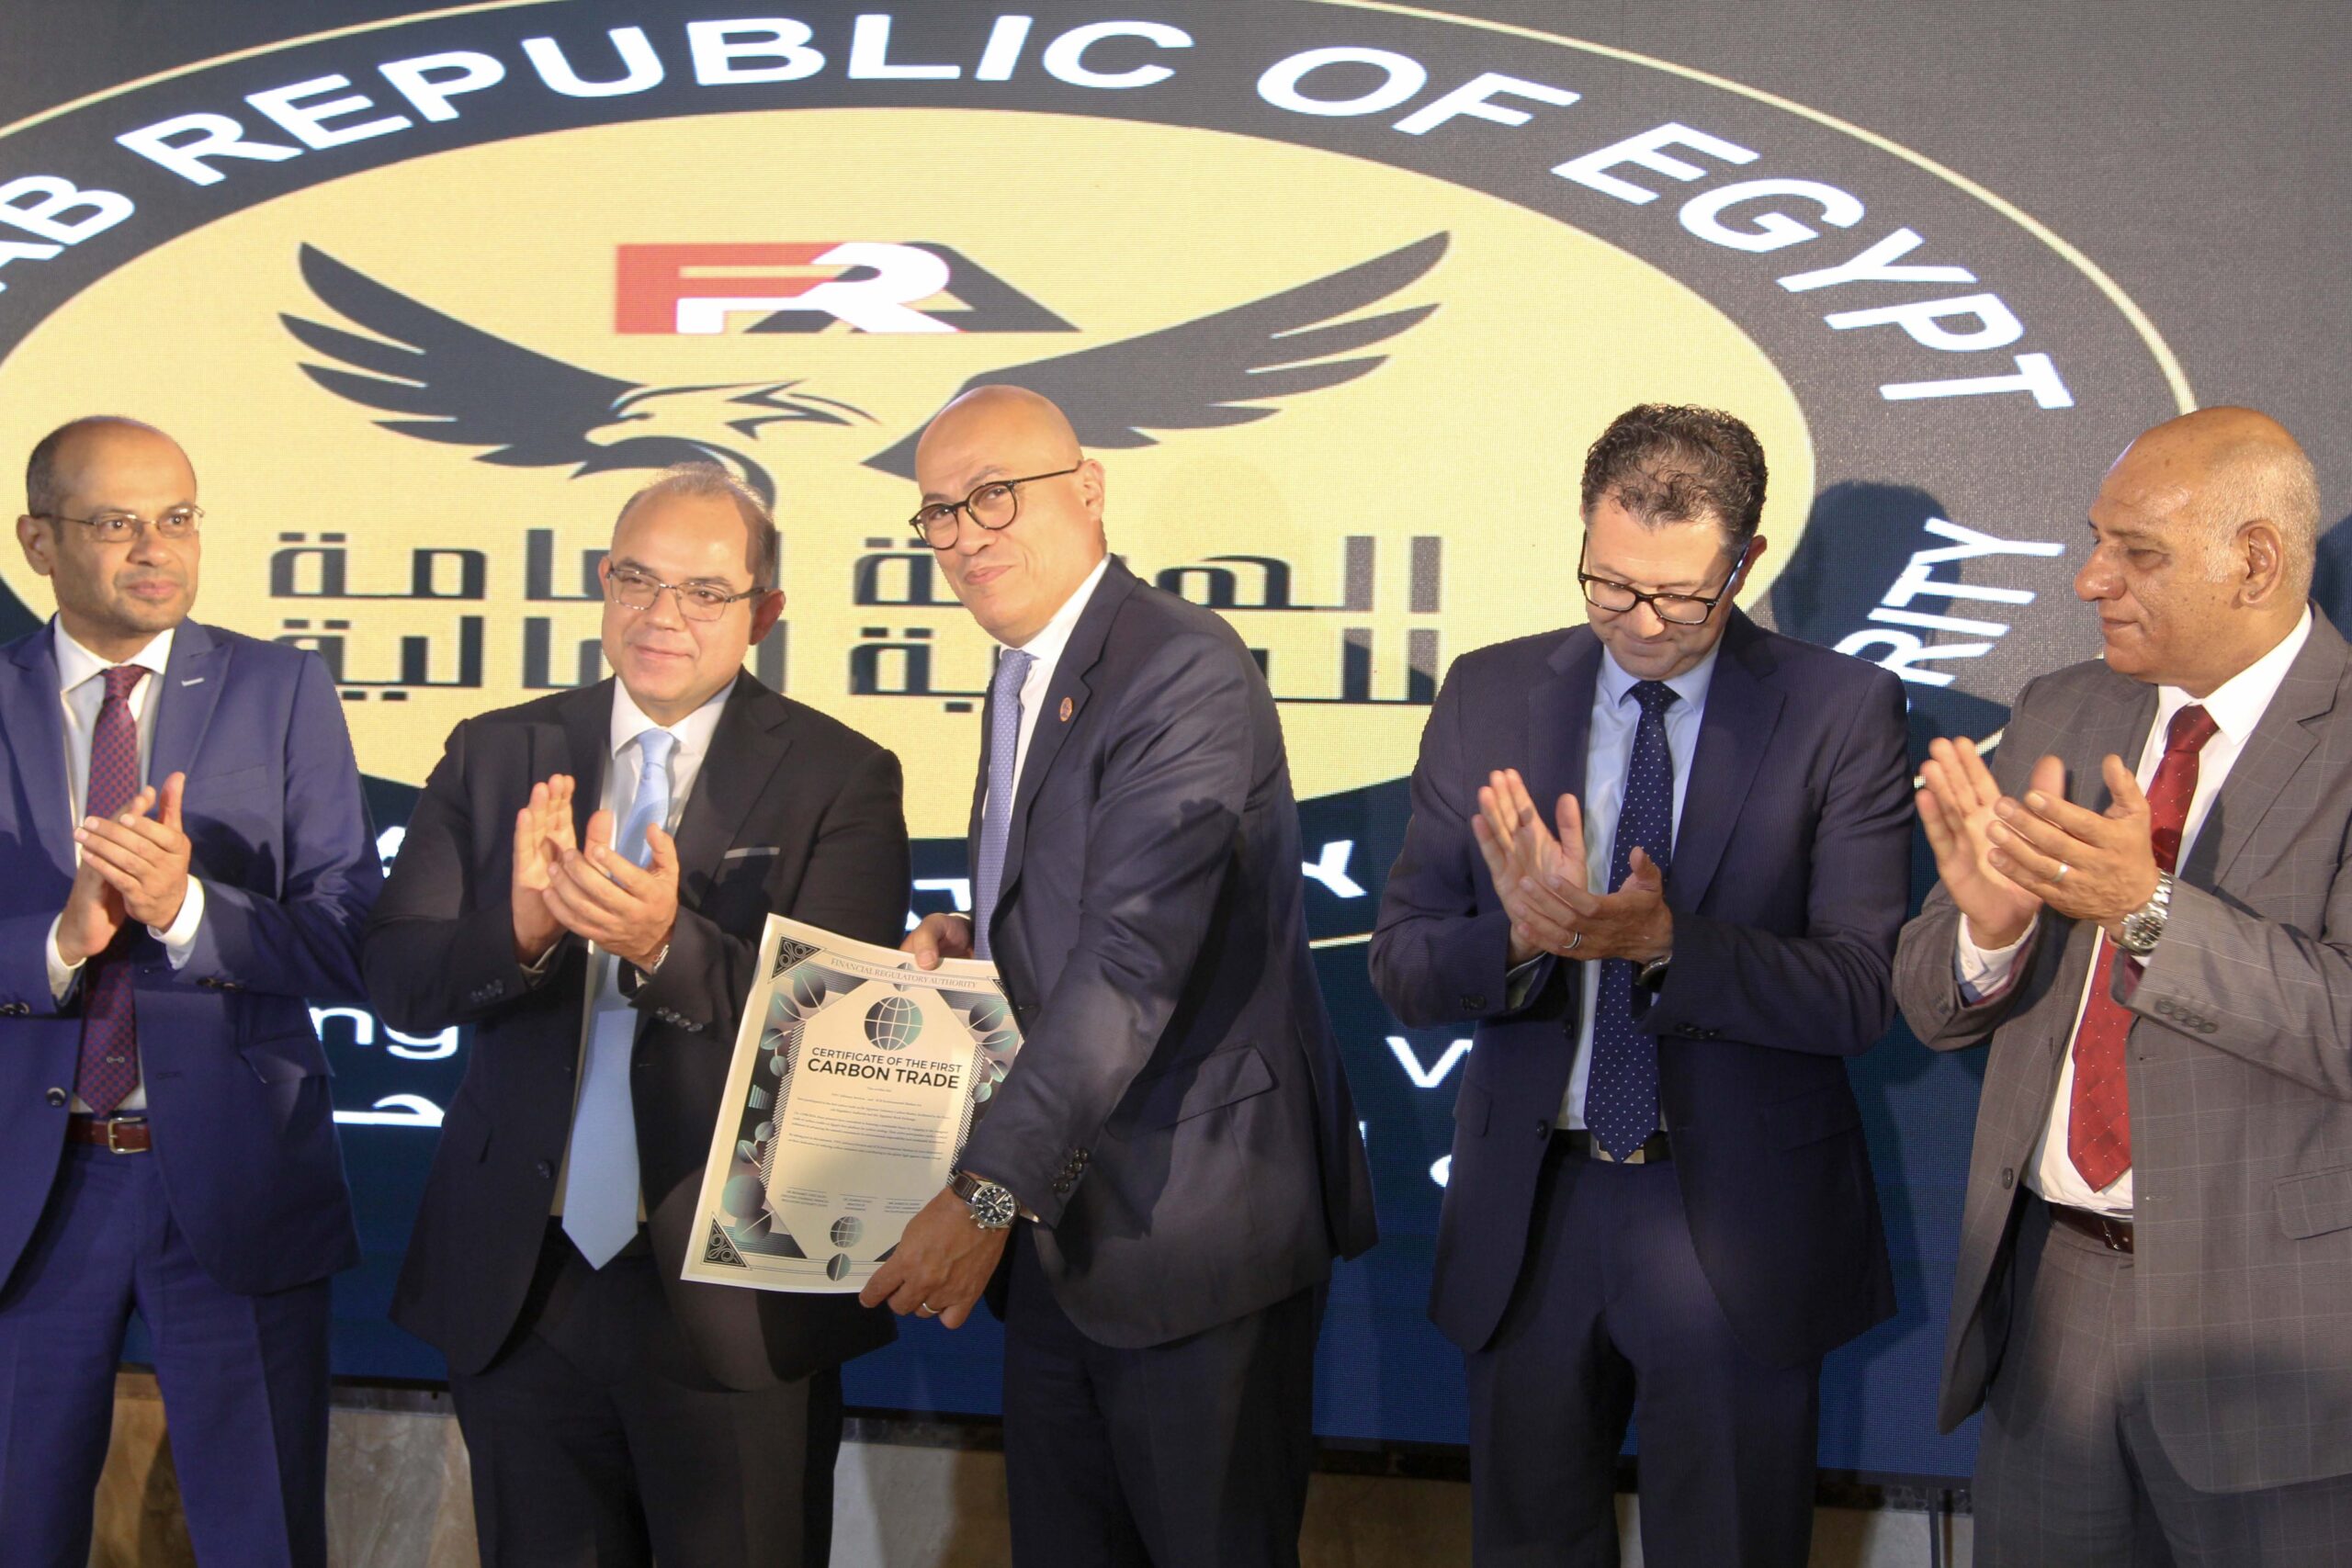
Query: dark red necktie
{"points": [[108, 1069], [2098, 1120]]}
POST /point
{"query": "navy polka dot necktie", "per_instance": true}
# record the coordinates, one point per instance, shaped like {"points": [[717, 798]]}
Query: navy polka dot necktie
{"points": [[1621, 1092]]}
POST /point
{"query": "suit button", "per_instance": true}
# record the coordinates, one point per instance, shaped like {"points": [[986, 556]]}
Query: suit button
{"points": [[1543, 1128], [55, 1097], [1474, 1003], [2207, 1027], [2008, 1177], [546, 1169]]}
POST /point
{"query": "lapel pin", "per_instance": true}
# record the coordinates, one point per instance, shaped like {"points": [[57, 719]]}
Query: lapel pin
{"points": [[1067, 710]]}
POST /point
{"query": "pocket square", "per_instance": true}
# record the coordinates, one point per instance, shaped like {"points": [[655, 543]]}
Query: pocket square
{"points": [[751, 851]]}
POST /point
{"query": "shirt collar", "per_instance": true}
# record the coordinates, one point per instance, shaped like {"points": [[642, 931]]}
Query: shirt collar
{"points": [[76, 664], [1690, 685], [2238, 704], [693, 732], [1046, 647]]}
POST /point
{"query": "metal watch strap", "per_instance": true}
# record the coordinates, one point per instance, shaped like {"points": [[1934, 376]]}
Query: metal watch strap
{"points": [[2141, 929]]}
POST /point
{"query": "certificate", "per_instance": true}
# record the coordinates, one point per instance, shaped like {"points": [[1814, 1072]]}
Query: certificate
{"points": [[857, 1078]]}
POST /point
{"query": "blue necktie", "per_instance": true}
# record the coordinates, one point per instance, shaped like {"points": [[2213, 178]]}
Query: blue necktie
{"points": [[996, 817], [1621, 1092], [600, 1187]]}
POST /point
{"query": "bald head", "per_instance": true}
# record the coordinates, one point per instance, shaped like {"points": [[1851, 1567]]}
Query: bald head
{"points": [[1011, 455], [1013, 419], [2207, 526], [2232, 467], [68, 452]]}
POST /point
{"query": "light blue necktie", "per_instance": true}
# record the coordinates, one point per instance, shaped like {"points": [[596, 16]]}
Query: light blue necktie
{"points": [[600, 1189], [996, 817]]}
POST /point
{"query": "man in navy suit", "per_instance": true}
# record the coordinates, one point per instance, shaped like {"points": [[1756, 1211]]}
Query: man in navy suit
{"points": [[1174, 1159], [1659, 1205], [167, 1139]]}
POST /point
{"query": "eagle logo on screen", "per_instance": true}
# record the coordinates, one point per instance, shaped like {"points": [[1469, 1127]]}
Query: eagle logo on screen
{"points": [[449, 382]]}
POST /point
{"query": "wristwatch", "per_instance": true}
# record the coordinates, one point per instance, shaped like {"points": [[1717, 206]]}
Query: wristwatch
{"points": [[992, 1205], [1651, 977], [2141, 928]]}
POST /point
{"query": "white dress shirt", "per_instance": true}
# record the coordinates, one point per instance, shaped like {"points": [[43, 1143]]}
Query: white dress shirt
{"points": [[83, 690], [1045, 651], [1609, 748], [2236, 705], [607, 1009]]}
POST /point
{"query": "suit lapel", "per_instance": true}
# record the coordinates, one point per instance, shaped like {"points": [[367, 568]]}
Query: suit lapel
{"points": [[1559, 725], [587, 718], [745, 751], [1065, 698], [1743, 708], [193, 677], [33, 724], [2282, 739]]}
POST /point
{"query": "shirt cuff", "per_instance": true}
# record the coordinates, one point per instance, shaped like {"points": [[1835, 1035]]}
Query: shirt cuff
{"points": [[61, 974], [1520, 983], [179, 942], [1985, 972]]}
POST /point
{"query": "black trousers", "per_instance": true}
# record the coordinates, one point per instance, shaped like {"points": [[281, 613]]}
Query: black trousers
{"points": [[1612, 1319], [1192, 1454], [596, 1440]]}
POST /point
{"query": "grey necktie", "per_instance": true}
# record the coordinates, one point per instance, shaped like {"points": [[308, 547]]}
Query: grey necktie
{"points": [[996, 818]]}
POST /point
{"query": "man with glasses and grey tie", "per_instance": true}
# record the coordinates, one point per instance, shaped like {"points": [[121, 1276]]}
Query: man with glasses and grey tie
{"points": [[1659, 1207], [584, 882], [1174, 1161]]}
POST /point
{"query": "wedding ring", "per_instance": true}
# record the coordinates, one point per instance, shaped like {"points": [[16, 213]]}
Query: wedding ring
{"points": [[2063, 869], [1573, 938], [925, 1309]]}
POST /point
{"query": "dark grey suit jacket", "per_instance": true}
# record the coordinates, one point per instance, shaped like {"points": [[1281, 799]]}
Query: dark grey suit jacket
{"points": [[2240, 1066], [809, 809], [1178, 1119]]}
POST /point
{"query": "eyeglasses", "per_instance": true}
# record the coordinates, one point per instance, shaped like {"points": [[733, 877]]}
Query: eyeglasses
{"points": [[635, 590], [993, 505], [121, 527], [1674, 609]]}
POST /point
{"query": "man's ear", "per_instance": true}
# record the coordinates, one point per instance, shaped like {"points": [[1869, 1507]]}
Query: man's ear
{"points": [[766, 610], [2260, 563], [37, 541]]}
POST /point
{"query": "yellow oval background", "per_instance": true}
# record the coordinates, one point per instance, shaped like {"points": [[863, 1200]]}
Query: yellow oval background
{"points": [[1471, 435]]}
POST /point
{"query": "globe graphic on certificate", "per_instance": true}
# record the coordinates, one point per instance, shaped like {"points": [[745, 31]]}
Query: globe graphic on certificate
{"points": [[892, 1023]]}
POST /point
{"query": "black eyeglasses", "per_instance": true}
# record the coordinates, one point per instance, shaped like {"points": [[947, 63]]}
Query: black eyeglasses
{"points": [[992, 506], [1675, 609], [121, 527], [635, 590]]}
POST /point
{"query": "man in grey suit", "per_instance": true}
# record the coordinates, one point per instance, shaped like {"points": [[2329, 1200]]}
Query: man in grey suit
{"points": [[2144, 907], [1174, 1160]]}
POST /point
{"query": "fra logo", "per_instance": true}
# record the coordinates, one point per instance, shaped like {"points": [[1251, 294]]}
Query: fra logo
{"points": [[869, 286]]}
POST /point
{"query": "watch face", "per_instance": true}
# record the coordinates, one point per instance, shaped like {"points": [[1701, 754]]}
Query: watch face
{"points": [[992, 1206]]}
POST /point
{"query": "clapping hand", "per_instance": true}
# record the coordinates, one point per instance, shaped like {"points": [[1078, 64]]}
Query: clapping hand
{"points": [[1541, 881]]}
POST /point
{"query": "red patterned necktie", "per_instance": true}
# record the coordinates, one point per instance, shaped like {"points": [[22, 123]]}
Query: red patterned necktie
{"points": [[2098, 1119], [108, 1069]]}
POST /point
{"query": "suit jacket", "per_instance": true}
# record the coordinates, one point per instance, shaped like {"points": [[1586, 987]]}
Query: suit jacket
{"points": [[2239, 1065], [237, 1089], [810, 810], [1178, 1120], [1788, 884]]}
